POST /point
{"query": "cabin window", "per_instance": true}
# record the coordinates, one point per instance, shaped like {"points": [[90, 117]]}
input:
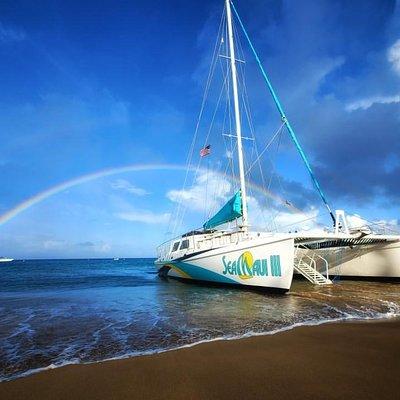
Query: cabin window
{"points": [[184, 244], [176, 245]]}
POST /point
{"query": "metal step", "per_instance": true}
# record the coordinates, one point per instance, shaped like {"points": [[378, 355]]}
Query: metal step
{"points": [[310, 273]]}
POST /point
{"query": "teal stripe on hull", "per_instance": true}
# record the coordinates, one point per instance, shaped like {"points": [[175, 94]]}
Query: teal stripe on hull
{"points": [[202, 274]]}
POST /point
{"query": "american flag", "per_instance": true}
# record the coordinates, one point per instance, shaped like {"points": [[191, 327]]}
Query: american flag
{"points": [[205, 151]]}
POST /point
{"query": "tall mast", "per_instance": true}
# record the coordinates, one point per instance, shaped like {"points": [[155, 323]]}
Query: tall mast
{"points": [[237, 115], [285, 120]]}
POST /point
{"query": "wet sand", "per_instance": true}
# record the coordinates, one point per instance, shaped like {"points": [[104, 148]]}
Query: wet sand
{"points": [[331, 361]]}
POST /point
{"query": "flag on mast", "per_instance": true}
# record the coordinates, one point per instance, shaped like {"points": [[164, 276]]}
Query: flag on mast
{"points": [[205, 151]]}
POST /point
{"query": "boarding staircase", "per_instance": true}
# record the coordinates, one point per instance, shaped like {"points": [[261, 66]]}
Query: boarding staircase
{"points": [[305, 263]]}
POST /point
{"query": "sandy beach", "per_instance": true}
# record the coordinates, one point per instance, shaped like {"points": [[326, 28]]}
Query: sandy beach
{"points": [[358, 360]]}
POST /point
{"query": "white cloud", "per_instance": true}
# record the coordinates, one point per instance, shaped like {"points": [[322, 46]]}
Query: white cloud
{"points": [[144, 216], [304, 221], [355, 221], [102, 247], [393, 56], [54, 244], [8, 34], [366, 103], [209, 192], [123, 184], [262, 218], [98, 247], [65, 245]]}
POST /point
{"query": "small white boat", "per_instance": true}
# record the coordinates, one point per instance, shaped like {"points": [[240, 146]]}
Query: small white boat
{"points": [[6, 259], [242, 256]]}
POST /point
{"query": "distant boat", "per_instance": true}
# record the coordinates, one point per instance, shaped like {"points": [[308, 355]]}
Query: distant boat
{"points": [[5, 259], [115, 258]]}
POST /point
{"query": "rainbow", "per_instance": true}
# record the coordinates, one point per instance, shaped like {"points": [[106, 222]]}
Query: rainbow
{"points": [[39, 197]]}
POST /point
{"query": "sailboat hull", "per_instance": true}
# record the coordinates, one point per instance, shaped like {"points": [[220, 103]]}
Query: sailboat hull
{"points": [[381, 261], [259, 263], [360, 258]]}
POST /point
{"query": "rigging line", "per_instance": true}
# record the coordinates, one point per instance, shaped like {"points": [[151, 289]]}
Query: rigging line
{"points": [[220, 188], [252, 131], [205, 206], [230, 162], [212, 119], [205, 95], [298, 222], [274, 170], [246, 105], [230, 117], [256, 147], [265, 148], [285, 120], [223, 177], [278, 178], [207, 137], [233, 144], [381, 224]]}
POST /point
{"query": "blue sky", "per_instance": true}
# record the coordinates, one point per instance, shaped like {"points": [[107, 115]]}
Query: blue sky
{"points": [[88, 86]]}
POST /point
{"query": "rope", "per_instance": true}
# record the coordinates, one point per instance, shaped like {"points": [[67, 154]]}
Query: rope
{"points": [[284, 118], [265, 148], [191, 150]]}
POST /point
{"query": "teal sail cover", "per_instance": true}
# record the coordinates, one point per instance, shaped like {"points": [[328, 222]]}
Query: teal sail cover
{"points": [[230, 211]]}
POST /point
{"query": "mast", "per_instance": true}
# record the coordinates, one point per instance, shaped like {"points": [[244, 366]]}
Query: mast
{"points": [[285, 120], [237, 115]]}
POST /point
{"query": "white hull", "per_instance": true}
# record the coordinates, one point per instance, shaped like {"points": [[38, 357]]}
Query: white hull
{"points": [[237, 257], [374, 260], [266, 263], [380, 260], [6, 259]]}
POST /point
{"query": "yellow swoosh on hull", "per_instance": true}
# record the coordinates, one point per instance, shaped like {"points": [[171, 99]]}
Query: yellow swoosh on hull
{"points": [[179, 271]]}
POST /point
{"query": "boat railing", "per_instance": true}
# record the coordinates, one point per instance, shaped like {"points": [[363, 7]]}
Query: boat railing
{"points": [[383, 228], [313, 259], [197, 241], [377, 228], [164, 250]]}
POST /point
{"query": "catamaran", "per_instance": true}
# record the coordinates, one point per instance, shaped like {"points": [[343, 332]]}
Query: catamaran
{"points": [[266, 259]]}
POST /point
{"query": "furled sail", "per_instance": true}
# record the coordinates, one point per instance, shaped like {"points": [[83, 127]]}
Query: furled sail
{"points": [[230, 211]]}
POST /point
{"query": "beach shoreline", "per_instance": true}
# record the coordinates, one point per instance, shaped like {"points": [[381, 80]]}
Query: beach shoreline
{"points": [[331, 361]]}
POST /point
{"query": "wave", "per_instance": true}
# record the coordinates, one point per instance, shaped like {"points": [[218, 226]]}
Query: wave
{"points": [[392, 314]]}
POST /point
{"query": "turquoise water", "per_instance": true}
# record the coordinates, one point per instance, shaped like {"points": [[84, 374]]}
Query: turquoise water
{"points": [[57, 312]]}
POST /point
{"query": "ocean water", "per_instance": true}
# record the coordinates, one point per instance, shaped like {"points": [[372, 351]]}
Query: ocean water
{"points": [[57, 312]]}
